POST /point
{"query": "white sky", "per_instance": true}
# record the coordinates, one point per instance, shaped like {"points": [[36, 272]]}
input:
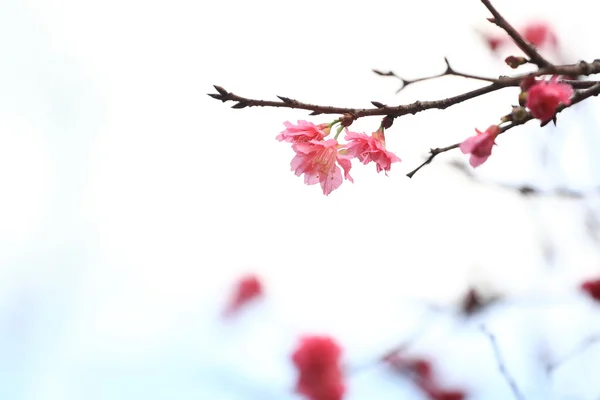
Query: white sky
{"points": [[131, 200]]}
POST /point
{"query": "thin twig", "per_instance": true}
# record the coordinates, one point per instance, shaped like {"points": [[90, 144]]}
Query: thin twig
{"points": [[501, 365], [584, 345], [449, 71], [432, 154], [524, 45]]}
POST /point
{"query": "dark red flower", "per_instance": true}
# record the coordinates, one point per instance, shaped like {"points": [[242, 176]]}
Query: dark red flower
{"points": [[317, 360], [592, 287]]}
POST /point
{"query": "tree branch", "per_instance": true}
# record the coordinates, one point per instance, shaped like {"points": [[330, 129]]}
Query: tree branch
{"points": [[581, 68], [524, 45], [449, 71], [577, 98]]}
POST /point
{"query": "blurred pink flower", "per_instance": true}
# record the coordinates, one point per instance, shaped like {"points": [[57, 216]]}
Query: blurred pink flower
{"points": [[480, 145], [318, 161], [545, 96], [303, 132], [246, 289], [320, 376], [370, 148], [539, 33]]}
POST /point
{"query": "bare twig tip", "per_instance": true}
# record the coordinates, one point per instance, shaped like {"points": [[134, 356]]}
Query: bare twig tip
{"points": [[221, 90]]}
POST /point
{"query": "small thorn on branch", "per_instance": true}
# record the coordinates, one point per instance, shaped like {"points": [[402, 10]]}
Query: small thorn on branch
{"points": [[378, 104], [222, 91], [216, 96], [449, 70], [286, 100], [239, 105], [389, 73]]}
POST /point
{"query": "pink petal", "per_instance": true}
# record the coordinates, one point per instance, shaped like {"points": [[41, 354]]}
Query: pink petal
{"points": [[331, 181], [476, 161]]}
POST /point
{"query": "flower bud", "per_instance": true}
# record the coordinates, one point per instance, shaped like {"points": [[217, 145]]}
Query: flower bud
{"points": [[519, 114], [523, 99], [515, 62]]}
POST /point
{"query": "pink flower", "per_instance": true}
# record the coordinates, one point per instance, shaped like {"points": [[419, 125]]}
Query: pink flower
{"points": [[494, 42], [370, 148], [303, 132], [246, 289], [318, 161], [320, 376], [592, 288], [544, 97], [480, 145], [538, 33]]}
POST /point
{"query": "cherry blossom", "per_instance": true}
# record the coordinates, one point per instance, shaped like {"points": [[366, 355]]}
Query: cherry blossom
{"points": [[480, 145], [320, 161], [544, 97]]}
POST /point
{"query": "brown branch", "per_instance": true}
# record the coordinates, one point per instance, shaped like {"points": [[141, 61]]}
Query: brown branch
{"points": [[501, 365], [432, 154], [582, 68], [449, 71], [524, 45], [577, 98]]}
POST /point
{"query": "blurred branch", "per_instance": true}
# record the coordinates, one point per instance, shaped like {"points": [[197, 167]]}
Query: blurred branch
{"points": [[524, 190], [584, 345], [501, 365]]}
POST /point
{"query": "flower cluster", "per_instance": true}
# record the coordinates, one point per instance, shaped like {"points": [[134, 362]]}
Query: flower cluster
{"points": [[320, 376], [320, 159], [541, 97]]}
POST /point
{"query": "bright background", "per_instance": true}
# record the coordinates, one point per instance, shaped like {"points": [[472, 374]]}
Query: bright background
{"points": [[131, 202]]}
